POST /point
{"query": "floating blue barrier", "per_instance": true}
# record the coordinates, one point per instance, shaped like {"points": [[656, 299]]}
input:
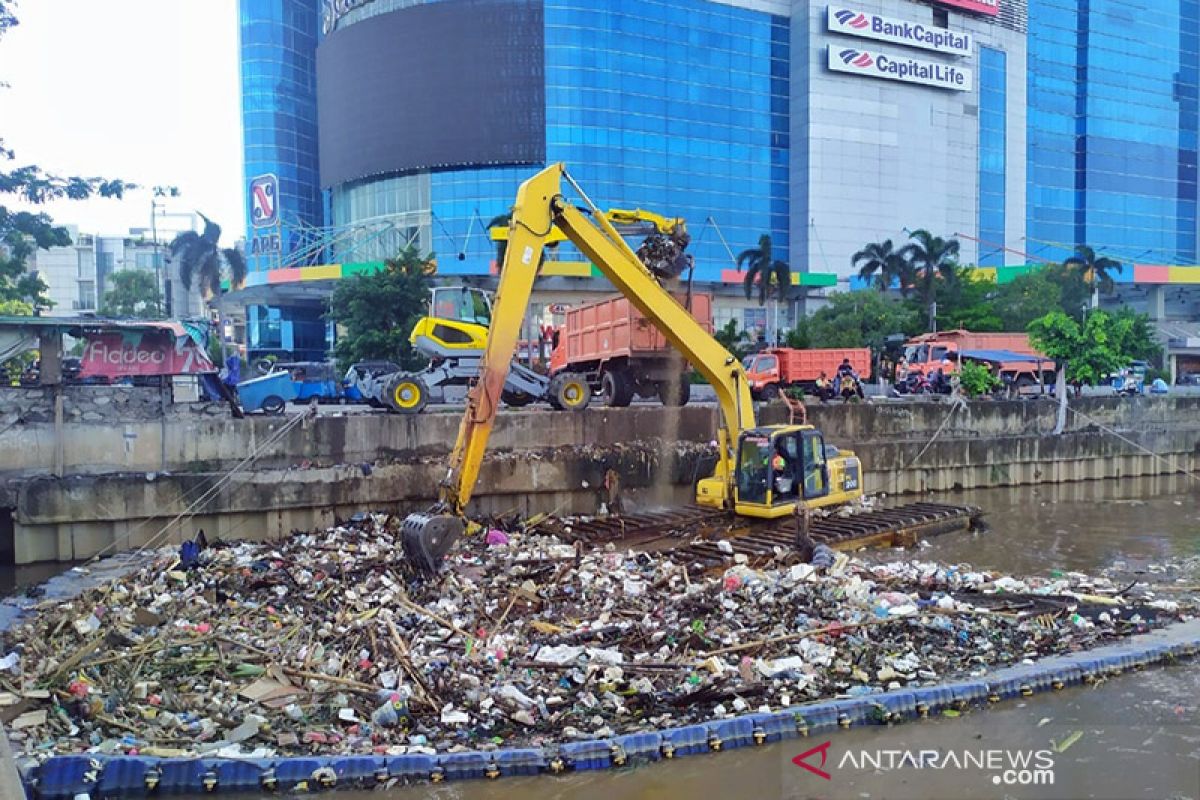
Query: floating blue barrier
{"points": [[729, 734], [969, 693], [237, 776], [526, 761], [136, 776], [854, 711], [67, 776], [818, 717], [457, 766], [775, 727], [124, 776], [685, 741], [412, 767], [932, 699], [592, 754], [181, 775], [641, 747], [359, 769], [292, 772], [897, 705]]}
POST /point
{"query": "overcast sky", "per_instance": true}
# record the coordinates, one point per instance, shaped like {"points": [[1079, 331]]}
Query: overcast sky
{"points": [[145, 90]]}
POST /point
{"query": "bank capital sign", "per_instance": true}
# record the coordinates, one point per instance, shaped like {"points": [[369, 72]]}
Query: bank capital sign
{"points": [[900, 68], [864, 24]]}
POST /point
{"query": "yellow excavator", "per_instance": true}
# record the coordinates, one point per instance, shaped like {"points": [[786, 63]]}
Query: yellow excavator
{"points": [[761, 471]]}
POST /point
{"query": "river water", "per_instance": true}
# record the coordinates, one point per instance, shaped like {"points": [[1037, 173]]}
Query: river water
{"points": [[1136, 736]]}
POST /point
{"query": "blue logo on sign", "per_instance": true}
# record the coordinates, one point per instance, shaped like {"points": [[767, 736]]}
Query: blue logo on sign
{"points": [[851, 18], [856, 58]]}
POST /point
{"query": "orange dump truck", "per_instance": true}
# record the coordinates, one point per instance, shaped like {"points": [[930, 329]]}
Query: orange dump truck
{"points": [[779, 368], [621, 354], [1010, 354]]}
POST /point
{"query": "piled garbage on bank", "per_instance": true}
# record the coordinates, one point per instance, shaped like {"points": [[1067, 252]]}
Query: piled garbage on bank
{"points": [[325, 643]]}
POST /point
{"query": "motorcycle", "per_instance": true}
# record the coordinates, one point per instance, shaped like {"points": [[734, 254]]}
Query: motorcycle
{"points": [[915, 383], [850, 388]]}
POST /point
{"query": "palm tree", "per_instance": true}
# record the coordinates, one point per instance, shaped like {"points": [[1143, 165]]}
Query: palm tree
{"points": [[201, 260], [931, 257], [1094, 271], [501, 221], [879, 263], [761, 267]]}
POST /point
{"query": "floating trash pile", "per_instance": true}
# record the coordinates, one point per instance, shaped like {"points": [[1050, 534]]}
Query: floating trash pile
{"points": [[326, 643]]}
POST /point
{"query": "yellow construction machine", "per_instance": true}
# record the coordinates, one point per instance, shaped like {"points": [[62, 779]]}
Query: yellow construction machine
{"points": [[761, 472]]}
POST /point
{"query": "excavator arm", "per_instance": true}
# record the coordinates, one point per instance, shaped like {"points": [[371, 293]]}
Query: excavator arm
{"points": [[541, 207]]}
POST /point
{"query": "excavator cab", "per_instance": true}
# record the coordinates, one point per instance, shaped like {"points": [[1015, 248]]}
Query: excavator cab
{"points": [[781, 465], [458, 320]]}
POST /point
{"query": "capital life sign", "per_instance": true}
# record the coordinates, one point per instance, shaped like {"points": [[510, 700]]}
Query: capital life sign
{"points": [[900, 68], [853, 22]]}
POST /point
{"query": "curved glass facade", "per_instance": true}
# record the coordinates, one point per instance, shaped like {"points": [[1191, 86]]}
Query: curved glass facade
{"points": [[712, 148], [278, 40]]}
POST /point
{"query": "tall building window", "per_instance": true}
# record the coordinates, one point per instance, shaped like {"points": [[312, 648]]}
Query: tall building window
{"points": [[992, 96]]}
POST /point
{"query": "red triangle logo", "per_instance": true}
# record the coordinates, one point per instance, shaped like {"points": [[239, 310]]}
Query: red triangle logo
{"points": [[802, 760]]}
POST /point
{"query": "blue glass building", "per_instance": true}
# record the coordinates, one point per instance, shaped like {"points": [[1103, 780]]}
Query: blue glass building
{"points": [[712, 148], [1113, 128], [278, 41], [1077, 124]]}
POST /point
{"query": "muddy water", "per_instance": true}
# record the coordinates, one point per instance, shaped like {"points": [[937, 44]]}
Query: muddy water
{"points": [[1139, 735]]}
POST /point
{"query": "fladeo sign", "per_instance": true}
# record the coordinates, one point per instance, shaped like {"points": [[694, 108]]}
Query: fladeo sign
{"points": [[853, 22], [903, 68], [115, 355]]}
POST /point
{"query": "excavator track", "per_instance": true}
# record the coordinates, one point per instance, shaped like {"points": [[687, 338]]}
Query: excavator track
{"points": [[709, 539]]}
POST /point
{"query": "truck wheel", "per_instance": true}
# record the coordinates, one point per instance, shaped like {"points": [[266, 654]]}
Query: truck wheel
{"points": [[769, 392], [569, 391], [273, 404], [407, 394], [675, 393], [516, 399], [617, 389]]}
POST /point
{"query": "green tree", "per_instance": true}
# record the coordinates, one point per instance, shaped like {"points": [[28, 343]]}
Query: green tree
{"points": [[966, 301], [1096, 271], [375, 313], [977, 379], [1090, 349], [860, 319], [773, 277], [1134, 336], [932, 257], [1027, 297], [23, 232], [133, 294], [202, 260], [879, 263], [736, 342]]}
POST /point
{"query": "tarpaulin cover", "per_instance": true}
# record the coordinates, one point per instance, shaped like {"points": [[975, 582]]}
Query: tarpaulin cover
{"points": [[1000, 355]]}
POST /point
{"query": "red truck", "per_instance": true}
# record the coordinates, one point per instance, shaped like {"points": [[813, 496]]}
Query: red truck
{"points": [[622, 354], [930, 351], [772, 370]]}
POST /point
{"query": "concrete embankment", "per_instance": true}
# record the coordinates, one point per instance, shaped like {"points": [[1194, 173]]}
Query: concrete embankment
{"points": [[122, 481]]}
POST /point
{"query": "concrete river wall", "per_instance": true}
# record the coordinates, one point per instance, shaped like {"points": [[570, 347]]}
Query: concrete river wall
{"points": [[73, 487]]}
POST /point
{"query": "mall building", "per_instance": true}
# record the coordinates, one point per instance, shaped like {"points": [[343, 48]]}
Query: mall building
{"points": [[1019, 127]]}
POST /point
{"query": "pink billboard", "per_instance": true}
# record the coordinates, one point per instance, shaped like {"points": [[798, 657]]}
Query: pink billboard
{"points": [[159, 352], [989, 7]]}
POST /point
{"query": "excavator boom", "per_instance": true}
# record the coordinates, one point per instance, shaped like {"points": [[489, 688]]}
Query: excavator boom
{"points": [[541, 207]]}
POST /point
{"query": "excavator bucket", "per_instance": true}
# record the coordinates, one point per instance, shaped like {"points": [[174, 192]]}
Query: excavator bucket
{"points": [[426, 538]]}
